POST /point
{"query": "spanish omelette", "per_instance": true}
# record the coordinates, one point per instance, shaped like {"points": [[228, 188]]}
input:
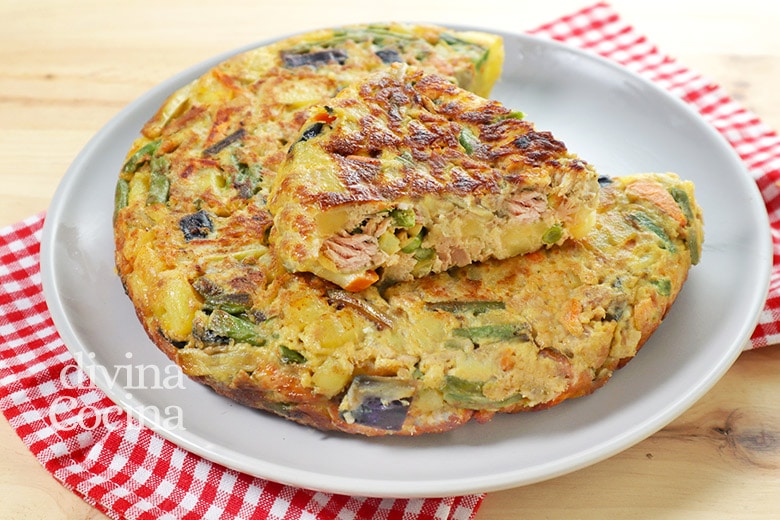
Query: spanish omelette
{"points": [[427, 355]]}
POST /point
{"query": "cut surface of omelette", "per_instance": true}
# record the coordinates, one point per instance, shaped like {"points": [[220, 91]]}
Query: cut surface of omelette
{"points": [[404, 174], [434, 353]]}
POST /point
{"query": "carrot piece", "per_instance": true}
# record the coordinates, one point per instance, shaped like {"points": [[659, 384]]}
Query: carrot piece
{"points": [[362, 281], [324, 116]]}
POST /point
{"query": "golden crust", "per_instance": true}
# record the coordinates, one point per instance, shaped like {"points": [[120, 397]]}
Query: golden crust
{"points": [[509, 149], [470, 177]]}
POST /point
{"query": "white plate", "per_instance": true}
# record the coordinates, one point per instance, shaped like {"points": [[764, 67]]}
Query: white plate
{"points": [[612, 118]]}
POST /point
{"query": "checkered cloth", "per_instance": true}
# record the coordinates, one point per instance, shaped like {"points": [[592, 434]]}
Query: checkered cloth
{"points": [[131, 472]]}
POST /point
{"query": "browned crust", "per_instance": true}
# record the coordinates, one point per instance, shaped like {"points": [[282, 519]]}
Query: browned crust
{"points": [[510, 150]]}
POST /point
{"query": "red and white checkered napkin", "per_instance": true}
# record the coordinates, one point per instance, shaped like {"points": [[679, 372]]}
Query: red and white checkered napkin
{"points": [[130, 472]]}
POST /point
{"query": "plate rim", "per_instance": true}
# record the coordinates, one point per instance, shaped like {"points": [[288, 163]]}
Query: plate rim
{"points": [[377, 487]]}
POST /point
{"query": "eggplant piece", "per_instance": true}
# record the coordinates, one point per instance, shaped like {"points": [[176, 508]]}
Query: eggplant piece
{"points": [[197, 225], [224, 143], [615, 310], [389, 56], [378, 402], [315, 59], [605, 180], [313, 131], [206, 336]]}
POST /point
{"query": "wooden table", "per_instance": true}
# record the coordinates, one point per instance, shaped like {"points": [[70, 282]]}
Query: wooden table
{"points": [[67, 67]]}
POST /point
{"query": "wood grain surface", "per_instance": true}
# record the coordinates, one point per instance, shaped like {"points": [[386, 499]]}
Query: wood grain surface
{"points": [[67, 67]]}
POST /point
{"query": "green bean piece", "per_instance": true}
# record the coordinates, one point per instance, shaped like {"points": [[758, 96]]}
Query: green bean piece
{"points": [[406, 158], [234, 304], [468, 394], [455, 41], [516, 114], [663, 286], [290, 356], [159, 187], [693, 246], [681, 197], [121, 195], [143, 154], [468, 140], [224, 324], [481, 53], [495, 332], [462, 386], [377, 34], [217, 298], [646, 222], [480, 62], [381, 32]]}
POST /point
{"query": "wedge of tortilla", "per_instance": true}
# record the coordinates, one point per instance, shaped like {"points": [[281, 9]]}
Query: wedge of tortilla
{"points": [[404, 173]]}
